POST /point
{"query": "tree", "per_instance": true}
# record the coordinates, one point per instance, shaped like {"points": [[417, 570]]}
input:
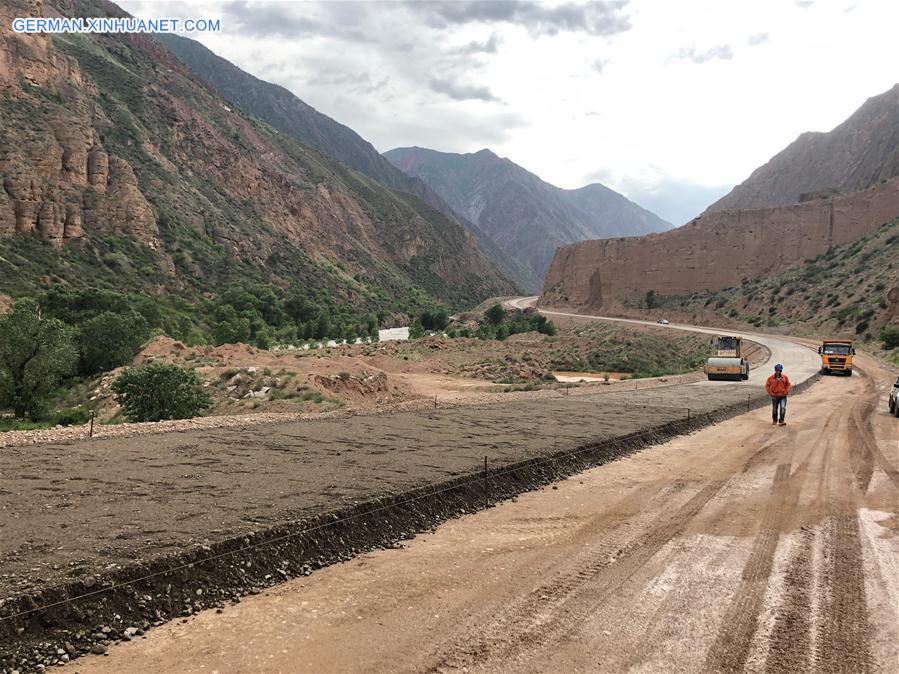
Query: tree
{"points": [[156, 392], [416, 330], [110, 340], [36, 352], [650, 299], [495, 314], [322, 327], [544, 326], [230, 328], [299, 310], [372, 326]]}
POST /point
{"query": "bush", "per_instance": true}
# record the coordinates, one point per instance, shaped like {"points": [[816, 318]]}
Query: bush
{"points": [[416, 330], [156, 392], [434, 320], [890, 336], [495, 314], [75, 416]]}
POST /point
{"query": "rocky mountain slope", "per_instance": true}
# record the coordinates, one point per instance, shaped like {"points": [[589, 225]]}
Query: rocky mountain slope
{"points": [[288, 113], [724, 248], [860, 152], [714, 251], [525, 216], [850, 290], [120, 168]]}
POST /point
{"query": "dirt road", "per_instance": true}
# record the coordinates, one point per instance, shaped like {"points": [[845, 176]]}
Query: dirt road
{"points": [[740, 547]]}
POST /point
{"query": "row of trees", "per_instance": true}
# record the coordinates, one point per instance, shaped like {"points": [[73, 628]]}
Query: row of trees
{"points": [[67, 333], [497, 323]]}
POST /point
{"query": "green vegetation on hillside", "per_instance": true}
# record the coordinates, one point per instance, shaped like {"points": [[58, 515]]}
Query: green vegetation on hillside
{"points": [[848, 289], [637, 352]]}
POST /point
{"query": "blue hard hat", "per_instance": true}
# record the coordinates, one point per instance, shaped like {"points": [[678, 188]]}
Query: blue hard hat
{"points": [[778, 367]]}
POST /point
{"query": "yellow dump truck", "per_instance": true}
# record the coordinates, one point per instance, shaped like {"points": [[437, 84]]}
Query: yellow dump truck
{"points": [[729, 363], [836, 356]]}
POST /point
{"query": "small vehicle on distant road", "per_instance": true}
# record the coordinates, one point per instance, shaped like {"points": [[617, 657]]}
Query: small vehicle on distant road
{"points": [[662, 321], [894, 399]]}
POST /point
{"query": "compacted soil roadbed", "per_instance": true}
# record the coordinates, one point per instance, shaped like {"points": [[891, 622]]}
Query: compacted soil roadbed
{"points": [[70, 509], [740, 547]]}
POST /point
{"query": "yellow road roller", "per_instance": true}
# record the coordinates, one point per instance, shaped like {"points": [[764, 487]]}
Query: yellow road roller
{"points": [[729, 364]]}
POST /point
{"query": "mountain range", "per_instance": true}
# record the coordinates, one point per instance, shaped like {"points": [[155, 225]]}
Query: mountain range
{"points": [[812, 218], [860, 152], [593, 211], [525, 216], [121, 168], [288, 113]]}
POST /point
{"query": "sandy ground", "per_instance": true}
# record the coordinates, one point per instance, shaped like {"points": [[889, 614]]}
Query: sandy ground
{"points": [[740, 547]]}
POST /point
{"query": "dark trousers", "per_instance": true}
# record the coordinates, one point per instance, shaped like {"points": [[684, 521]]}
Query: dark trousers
{"points": [[778, 408]]}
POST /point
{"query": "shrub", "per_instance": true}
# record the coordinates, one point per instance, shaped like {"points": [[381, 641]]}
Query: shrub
{"points": [[416, 330], [156, 392], [890, 336], [72, 417], [495, 314], [434, 320]]}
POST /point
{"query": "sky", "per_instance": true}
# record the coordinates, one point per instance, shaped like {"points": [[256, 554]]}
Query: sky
{"points": [[669, 103]]}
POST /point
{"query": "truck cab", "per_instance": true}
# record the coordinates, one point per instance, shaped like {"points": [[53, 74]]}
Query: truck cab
{"points": [[894, 399], [836, 356]]}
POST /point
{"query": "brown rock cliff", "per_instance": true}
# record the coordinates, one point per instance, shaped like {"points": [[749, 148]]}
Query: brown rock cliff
{"points": [[714, 251]]}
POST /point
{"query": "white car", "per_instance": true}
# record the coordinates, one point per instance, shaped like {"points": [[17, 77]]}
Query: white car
{"points": [[662, 321], [894, 399]]}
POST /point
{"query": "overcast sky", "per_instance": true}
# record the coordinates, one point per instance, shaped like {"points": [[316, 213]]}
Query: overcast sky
{"points": [[670, 103]]}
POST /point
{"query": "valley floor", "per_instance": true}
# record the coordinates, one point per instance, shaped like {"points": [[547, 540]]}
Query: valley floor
{"points": [[739, 547]]}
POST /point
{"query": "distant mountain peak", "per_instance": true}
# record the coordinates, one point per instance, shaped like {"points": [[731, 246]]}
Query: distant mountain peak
{"points": [[525, 216], [856, 154]]}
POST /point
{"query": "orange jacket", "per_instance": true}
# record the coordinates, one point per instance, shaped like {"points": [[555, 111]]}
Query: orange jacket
{"points": [[778, 387]]}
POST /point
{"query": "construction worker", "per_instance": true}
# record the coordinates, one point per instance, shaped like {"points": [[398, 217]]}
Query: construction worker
{"points": [[778, 387]]}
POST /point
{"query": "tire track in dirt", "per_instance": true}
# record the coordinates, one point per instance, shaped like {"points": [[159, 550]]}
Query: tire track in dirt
{"points": [[789, 646], [742, 618], [863, 446], [843, 630], [731, 646], [556, 607]]}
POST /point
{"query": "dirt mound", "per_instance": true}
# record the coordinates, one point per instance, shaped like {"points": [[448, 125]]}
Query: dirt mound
{"points": [[364, 384], [510, 369], [161, 348]]}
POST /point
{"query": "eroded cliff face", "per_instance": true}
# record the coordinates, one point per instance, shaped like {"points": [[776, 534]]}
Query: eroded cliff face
{"points": [[111, 135], [55, 174], [714, 251]]}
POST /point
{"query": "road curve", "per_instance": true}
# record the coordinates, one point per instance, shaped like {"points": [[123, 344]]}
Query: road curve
{"points": [[799, 361]]}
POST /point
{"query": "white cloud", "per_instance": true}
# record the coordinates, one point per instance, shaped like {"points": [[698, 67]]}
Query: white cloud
{"points": [[574, 90]]}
